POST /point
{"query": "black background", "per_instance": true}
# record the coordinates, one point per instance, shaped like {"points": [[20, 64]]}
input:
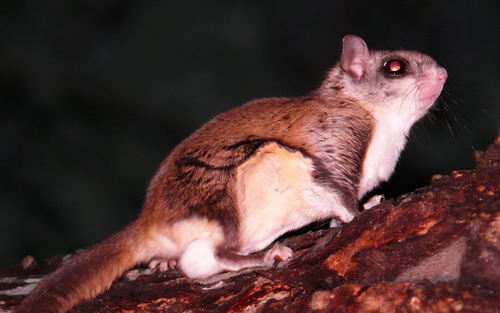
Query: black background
{"points": [[94, 94]]}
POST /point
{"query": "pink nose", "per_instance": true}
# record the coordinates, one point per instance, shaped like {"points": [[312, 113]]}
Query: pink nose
{"points": [[441, 75]]}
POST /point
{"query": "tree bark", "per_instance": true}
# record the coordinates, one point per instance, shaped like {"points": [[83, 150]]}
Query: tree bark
{"points": [[436, 249]]}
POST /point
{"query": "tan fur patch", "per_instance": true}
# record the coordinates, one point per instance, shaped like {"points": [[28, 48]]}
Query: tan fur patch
{"points": [[276, 193]]}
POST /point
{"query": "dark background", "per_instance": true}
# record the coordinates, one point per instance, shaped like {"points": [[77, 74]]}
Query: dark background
{"points": [[94, 94]]}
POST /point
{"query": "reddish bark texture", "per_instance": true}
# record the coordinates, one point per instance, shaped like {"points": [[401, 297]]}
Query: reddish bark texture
{"points": [[436, 249]]}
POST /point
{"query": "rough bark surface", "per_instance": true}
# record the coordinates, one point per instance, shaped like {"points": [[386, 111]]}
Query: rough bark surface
{"points": [[436, 249]]}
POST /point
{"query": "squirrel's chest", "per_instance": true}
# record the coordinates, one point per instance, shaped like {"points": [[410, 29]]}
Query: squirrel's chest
{"points": [[386, 143]]}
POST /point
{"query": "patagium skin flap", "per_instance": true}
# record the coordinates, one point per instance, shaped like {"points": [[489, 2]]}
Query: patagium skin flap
{"points": [[260, 170]]}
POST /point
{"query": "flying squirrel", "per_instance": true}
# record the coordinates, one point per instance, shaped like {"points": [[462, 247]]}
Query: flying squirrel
{"points": [[260, 170]]}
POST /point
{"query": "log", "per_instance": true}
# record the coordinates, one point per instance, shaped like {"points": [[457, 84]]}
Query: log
{"points": [[436, 249]]}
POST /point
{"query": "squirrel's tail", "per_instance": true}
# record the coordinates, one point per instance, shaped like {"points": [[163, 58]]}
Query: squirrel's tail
{"points": [[87, 274]]}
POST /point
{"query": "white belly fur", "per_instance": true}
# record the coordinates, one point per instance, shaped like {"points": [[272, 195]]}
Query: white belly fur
{"points": [[276, 193]]}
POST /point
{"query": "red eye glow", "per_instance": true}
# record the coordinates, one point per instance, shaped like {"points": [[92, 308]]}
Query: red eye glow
{"points": [[395, 67]]}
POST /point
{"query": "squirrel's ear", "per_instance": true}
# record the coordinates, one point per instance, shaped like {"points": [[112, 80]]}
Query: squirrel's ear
{"points": [[355, 56]]}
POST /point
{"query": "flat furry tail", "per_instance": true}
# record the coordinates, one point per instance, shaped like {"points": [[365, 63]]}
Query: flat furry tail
{"points": [[85, 275]]}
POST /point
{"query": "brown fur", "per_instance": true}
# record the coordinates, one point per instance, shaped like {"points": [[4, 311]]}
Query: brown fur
{"points": [[332, 134]]}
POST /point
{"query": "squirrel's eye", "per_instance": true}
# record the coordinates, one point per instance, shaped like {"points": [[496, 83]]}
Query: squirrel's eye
{"points": [[395, 67]]}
